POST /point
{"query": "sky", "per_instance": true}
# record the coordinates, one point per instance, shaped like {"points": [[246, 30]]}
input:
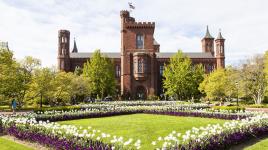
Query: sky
{"points": [[31, 26]]}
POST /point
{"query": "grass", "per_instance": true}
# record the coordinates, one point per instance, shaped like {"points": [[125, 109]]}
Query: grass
{"points": [[6, 144], [261, 145], [145, 127]]}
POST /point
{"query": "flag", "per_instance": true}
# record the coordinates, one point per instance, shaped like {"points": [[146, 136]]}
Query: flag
{"points": [[131, 6]]}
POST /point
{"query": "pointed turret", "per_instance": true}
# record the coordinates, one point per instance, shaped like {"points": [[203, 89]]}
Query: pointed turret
{"points": [[75, 47], [220, 36], [208, 36], [208, 43]]}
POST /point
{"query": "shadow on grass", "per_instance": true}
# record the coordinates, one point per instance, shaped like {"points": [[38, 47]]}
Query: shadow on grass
{"points": [[248, 143]]}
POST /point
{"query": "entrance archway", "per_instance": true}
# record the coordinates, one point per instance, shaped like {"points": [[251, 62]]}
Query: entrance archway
{"points": [[141, 93]]}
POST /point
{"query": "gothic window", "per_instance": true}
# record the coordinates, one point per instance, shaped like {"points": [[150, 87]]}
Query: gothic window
{"points": [[161, 70], [117, 71], [140, 41], [140, 66]]}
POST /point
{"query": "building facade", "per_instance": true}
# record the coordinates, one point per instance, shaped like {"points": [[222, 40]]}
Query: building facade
{"points": [[139, 64]]}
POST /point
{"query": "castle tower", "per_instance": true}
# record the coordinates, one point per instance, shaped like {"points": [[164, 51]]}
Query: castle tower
{"points": [[64, 50], [220, 56], [138, 49], [208, 43]]}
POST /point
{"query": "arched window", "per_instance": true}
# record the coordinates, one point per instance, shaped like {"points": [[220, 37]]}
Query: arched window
{"points": [[139, 41]]}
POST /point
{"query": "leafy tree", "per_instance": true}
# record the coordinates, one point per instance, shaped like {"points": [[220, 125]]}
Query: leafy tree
{"points": [[233, 83], [10, 77], [99, 70], [266, 70], [27, 66], [61, 88], [181, 78], [214, 84], [254, 79], [198, 77], [42, 84], [80, 88]]}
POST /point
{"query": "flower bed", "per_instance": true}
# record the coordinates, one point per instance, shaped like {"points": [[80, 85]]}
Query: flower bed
{"points": [[26, 127], [64, 136], [123, 110], [215, 136]]}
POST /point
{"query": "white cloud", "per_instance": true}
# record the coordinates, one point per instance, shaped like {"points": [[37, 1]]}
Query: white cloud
{"points": [[31, 26]]}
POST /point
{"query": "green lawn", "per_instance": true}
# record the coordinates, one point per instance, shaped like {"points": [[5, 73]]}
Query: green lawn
{"points": [[262, 145], [145, 127], [6, 144]]}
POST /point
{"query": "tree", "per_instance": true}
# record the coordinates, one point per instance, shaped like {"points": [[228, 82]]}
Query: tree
{"points": [[214, 84], [198, 77], [233, 83], [42, 84], [10, 77], [27, 66], [61, 88], [80, 88], [254, 79], [100, 72], [181, 78]]}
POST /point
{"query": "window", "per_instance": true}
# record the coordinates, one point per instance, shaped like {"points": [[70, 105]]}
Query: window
{"points": [[161, 70], [64, 39], [139, 66], [63, 51], [140, 41], [117, 71], [221, 49]]}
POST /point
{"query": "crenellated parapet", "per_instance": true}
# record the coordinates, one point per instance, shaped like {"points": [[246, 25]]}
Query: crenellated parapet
{"points": [[140, 24], [130, 22]]}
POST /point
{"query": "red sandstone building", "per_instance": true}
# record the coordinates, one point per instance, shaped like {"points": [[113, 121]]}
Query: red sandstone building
{"points": [[139, 65]]}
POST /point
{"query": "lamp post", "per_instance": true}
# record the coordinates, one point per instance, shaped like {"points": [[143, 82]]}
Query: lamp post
{"points": [[236, 83]]}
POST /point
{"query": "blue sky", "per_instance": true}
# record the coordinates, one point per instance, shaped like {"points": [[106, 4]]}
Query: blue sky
{"points": [[31, 26]]}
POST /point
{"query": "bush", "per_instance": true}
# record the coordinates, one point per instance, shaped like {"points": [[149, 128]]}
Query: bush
{"points": [[229, 108]]}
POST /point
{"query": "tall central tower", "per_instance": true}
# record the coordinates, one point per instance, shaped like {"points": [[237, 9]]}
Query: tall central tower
{"points": [[137, 57]]}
